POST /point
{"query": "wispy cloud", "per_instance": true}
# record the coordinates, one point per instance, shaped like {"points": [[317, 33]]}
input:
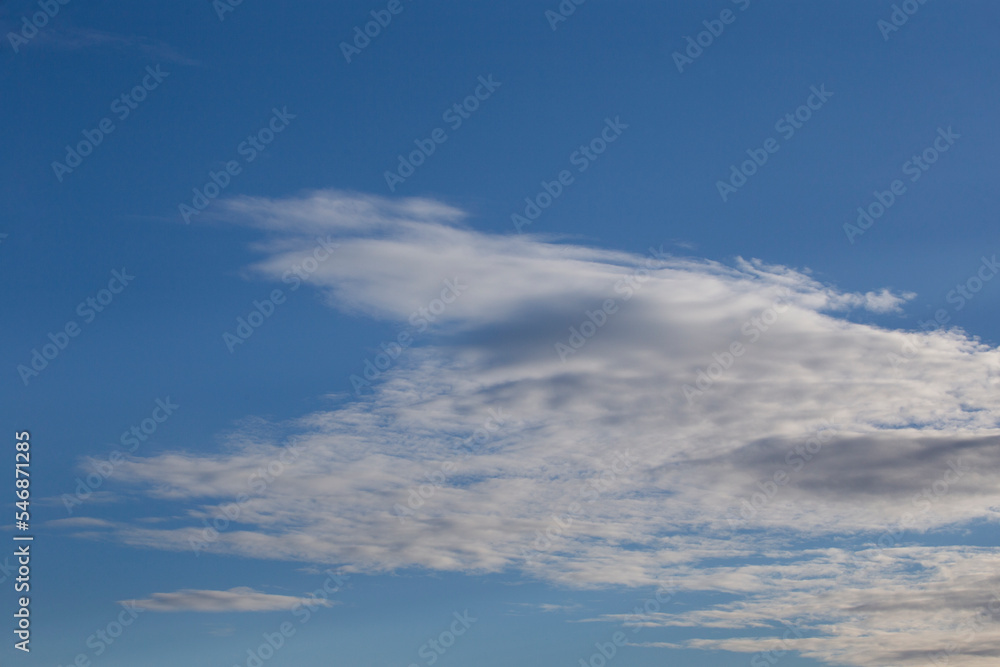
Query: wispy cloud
{"points": [[907, 606], [77, 39], [898, 433], [79, 522], [548, 608], [235, 599]]}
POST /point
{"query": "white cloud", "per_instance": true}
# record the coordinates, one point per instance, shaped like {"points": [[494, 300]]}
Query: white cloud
{"points": [[235, 599], [899, 606], [548, 607], [892, 431], [79, 522]]}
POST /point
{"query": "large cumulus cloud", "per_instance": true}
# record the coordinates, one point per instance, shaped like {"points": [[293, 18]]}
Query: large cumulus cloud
{"points": [[593, 417]]}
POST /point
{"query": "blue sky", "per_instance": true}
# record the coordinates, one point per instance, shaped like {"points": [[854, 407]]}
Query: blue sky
{"points": [[654, 347]]}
